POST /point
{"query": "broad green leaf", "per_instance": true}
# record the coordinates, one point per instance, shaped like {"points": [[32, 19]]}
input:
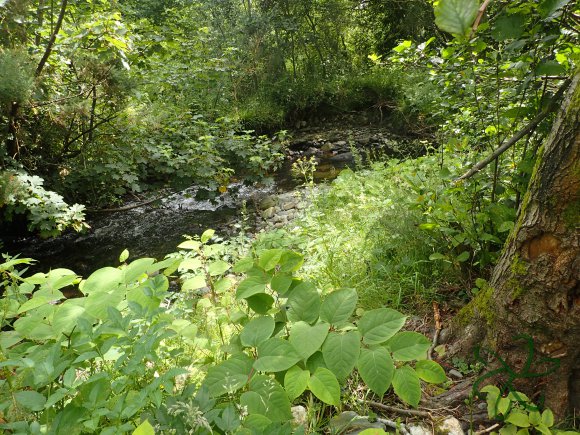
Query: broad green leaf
{"points": [[548, 417], [373, 431], [463, 257], [550, 68], [407, 385], [409, 346], [275, 355], [270, 258], [102, 280], [222, 285], [518, 418], [9, 339], [190, 264], [281, 283], [295, 382], [66, 316], [194, 283], [251, 286], [324, 385], [260, 303], [376, 368], [35, 302], [144, 428], [31, 400], [377, 326], [456, 16], [97, 303], [535, 418], [228, 421], [256, 422], [243, 265], [340, 352], [229, 375], [503, 405], [551, 8], [257, 331], [207, 235], [267, 397], [189, 244], [315, 361], [291, 261], [430, 371], [217, 267], [303, 303], [508, 27], [338, 306], [307, 339], [542, 428], [136, 269]]}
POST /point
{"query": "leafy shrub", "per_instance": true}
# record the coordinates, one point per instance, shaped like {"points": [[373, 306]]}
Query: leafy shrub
{"points": [[46, 211]]}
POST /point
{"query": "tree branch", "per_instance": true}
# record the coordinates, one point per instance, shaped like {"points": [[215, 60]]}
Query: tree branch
{"points": [[52, 39], [520, 134], [480, 13]]}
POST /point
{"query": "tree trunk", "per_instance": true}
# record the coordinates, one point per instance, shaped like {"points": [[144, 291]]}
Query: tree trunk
{"points": [[534, 292]]}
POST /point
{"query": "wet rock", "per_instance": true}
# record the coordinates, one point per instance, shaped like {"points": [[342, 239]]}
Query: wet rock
{"points": [[344, 157], [419, 430], [269, 213], [328, 147]]}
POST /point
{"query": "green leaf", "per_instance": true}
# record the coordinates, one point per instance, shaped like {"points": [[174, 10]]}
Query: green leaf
{"points": [[217, 267], [307, 339], [251, 286], [338, 306], [136, 269], [508, 27], [144, 428], [550, 68], [257, 331], [407, 385], [97, 304], [340, 352], [243, 265], [295, 382], [376, 368], [409, 346], [281, 283], [324, 385], [257, 423], [124, 255], [65, 318], [194, 283], [270, 258], [291, 261], [35, 302], [377, 326], [102, 280], [267, 397], [430, 371], [437, 256], [275, 355], [550, 9], [535, 418], [303, 303], [548, 417], [207, 235], [228, 421], [229, 375], [31, 400], [542, 428], [456, 16], [464, 256], [315, 361], [260, 303], [518, 418]]}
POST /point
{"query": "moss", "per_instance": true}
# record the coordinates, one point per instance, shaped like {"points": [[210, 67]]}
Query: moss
{"points": [[571, 213], [518, 269], [480, 306]]}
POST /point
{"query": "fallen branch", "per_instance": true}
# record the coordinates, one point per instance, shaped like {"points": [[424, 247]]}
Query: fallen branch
{"points": [[407, 412], [437, 318], [127, 207], [520, 134], [394, 425]]}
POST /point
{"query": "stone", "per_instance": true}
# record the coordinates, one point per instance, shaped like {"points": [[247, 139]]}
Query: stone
{"points": [[456, 374], [419, 430], [269, 213], [344, 157], [289, 205], [267, 202], [300, 415], [450, 426]]}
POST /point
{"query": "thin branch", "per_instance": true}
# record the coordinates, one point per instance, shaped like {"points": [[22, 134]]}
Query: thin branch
{"points": [[407, 412], [480, 13], [516, 137], [488, 430], [52, 39]]}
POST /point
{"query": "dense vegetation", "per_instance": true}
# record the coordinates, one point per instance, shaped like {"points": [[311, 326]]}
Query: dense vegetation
{"points": [[100, 100]]}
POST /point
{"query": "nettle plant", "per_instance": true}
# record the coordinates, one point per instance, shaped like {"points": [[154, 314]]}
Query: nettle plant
{"points": [[293, 340]]}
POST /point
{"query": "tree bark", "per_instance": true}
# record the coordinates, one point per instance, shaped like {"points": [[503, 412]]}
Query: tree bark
{"points": [[534, 292]]}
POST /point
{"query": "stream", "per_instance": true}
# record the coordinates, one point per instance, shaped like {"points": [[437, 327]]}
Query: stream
{"points": [[155, 230]]}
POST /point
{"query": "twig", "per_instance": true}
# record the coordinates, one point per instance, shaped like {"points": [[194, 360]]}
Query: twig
{"points": [[489, 429], [437, 317], [407, 412], [480, 13], [516, 137], [52, 39]]}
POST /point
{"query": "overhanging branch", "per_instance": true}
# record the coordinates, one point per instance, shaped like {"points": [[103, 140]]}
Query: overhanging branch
{"points": [[520, 134]]}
